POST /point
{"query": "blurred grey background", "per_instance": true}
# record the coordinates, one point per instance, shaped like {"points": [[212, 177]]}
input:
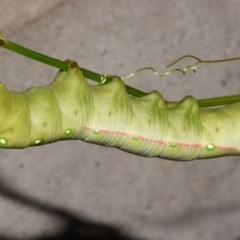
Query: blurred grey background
{"points": [[78, 190]]}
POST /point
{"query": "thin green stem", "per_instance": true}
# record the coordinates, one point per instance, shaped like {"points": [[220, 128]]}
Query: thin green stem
{"points": [[7, 44], [217, 101], [209, 102]]}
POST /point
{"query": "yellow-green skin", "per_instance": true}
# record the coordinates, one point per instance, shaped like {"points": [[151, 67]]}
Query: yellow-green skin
{"points": [[69, 108]]}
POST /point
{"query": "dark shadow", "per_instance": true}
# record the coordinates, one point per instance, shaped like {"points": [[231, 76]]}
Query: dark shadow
{"points": [[80, 228], [75, 228]]}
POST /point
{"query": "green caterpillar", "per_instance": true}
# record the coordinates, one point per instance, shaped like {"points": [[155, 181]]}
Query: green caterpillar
{"points": [[70, 108]]}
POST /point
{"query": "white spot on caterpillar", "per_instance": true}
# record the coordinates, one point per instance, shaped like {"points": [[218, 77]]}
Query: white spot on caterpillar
{"points": [[3, 141], [210, 147], [96, 131], [68, 131], [38, 141]]}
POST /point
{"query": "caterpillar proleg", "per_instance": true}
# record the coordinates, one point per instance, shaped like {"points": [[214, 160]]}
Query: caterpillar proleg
{"points": [[70, 108]]}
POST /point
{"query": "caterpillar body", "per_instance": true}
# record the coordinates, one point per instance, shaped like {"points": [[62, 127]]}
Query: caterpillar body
{"points": [[70, 108]]}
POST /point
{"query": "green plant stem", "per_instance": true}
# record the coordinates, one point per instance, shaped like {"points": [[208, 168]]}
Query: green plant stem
{"points": [[210, 102], [7, 44], [218, 101]]}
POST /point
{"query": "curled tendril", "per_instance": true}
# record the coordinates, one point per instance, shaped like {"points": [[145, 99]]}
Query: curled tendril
{"points": [[184, 70], [104, 78], [154, 71]]}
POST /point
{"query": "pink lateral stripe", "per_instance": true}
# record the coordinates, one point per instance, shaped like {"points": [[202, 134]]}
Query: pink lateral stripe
{"points": [[125, 134], [193, 145], [227, 148]]}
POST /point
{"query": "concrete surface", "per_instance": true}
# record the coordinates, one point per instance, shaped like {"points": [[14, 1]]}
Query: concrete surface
{"points": [[82, 191], [15, 14]]}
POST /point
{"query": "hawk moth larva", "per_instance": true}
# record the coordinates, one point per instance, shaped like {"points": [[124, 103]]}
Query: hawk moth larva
{"points": [[70, 108]]}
